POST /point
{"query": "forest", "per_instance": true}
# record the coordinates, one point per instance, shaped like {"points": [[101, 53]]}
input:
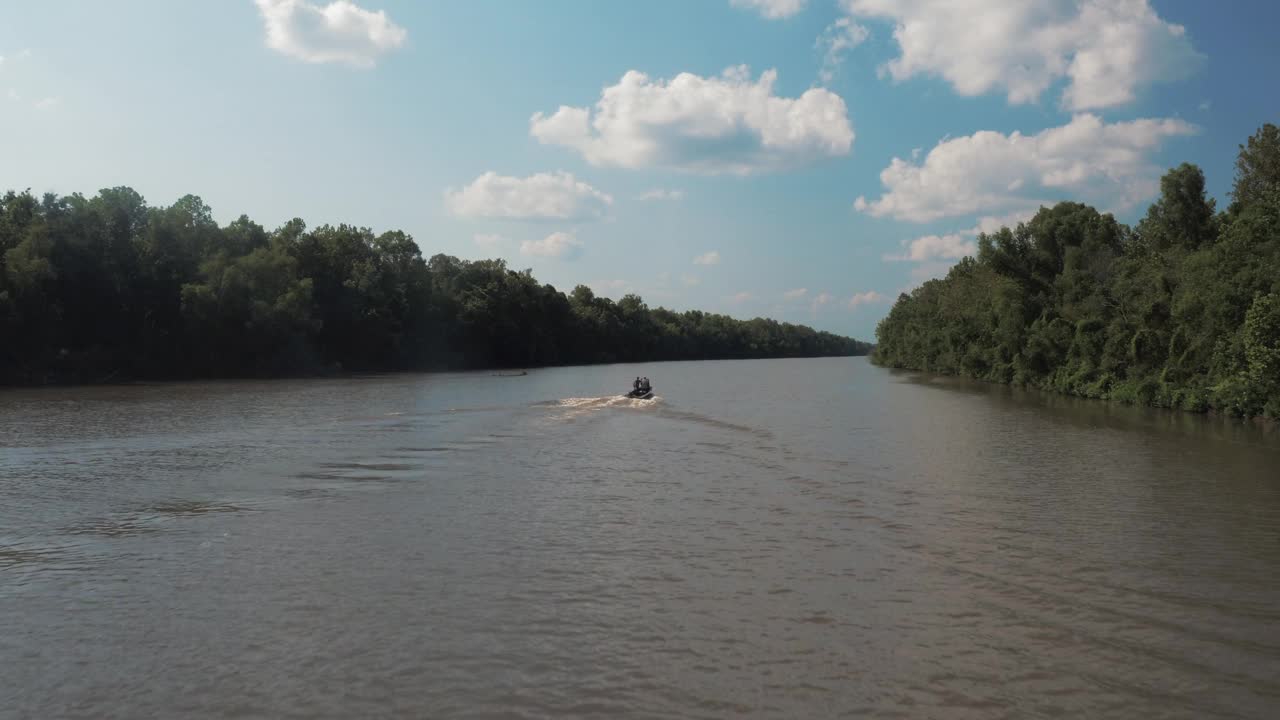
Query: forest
{"points": [[1181, 311], [109, 288]]}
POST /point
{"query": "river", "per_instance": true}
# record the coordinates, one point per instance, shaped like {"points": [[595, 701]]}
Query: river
{"points": [[790, 539]]}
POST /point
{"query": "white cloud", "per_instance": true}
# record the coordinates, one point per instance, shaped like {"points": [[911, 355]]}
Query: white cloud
{"points": [[713, 125], [610, 287], [23, 54], [340, 31], [707, 258], [924, 272], [558, 245], [545, 196], [990, 224], [821, 301], [739, 298], [660, 288], [839, 37], [934, 255], [662, 194], [991, 172], [771, 9], [488, 241], [46, 102], [951, 246], [955, 245], [865, 298], [691, 280], [1104, 49], [795, 294]]}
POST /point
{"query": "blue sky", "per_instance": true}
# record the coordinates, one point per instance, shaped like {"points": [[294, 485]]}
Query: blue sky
{"points": [[799, 159]]}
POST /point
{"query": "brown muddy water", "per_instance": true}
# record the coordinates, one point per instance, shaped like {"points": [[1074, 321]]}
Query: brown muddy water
{"points": [[791, 539]]}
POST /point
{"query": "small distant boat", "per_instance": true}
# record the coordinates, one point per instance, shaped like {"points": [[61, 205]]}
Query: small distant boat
{"points": [[640, 394]]}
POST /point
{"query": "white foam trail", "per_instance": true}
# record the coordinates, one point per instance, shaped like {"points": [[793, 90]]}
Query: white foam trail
{"points": [[582, 405]]}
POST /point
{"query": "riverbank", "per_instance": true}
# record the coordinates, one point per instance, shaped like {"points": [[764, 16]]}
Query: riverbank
{"points": [[65, 379], [1051, 397], [95, 286], [1180, 311]]}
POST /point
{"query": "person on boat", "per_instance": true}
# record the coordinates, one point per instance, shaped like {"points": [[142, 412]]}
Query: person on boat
{"points": [[636, 386], [644, 383]]}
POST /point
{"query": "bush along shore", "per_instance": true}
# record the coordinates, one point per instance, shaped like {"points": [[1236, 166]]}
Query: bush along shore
{"points": [[109, 288], [1181, 311]]}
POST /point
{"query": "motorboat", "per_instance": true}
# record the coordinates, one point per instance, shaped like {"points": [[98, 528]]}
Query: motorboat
{"points": [[641, 393]]}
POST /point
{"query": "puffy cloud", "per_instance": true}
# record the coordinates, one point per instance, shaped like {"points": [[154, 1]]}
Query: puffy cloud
{"points": [[839, 37], [989, 224], [865, 298], [925, 271], [558, 245], [821, 301], [952, 246], [340, 31], [1105, 49], [610, 287], [771, 9], [662, 194], [545, 196], [24, 54], [659, 287], [934, 255], [488, 241], [45, 102], [712, 125], [707, 258], [989, 171], [795, 294]]}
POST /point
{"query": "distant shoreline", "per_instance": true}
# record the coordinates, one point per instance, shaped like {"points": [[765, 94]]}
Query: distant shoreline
{"points": [[95, 288], [117, 380], [1263, 421]]}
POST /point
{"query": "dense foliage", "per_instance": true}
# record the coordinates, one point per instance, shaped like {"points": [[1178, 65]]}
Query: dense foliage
{"points": [[102, 287], [1181, 311]]}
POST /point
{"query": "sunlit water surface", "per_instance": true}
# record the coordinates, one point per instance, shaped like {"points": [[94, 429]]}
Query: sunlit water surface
{"points": [[792, 539]]}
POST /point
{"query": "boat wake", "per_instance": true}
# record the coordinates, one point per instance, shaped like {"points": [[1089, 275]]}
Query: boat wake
{"points": [[576, 406]]}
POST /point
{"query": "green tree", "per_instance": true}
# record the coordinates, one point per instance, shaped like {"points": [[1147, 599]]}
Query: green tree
{"points": [[1179, 312], [1257, 167], [103, 287]]}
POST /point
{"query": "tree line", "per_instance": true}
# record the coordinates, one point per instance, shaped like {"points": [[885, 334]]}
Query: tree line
{"points": [[108, 287], [1181, 311]]}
